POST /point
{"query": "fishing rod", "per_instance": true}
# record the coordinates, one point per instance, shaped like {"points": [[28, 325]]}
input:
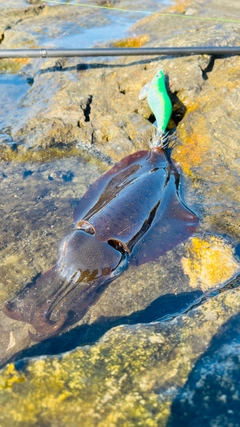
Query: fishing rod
{"points": [[94, 52]]}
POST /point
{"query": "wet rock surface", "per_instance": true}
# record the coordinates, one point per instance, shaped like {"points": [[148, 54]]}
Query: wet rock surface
{"points": [[68, 122], [134, 373]]}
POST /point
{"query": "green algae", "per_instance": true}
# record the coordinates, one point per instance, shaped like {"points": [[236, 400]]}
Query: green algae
{"points": [[22, 155]]}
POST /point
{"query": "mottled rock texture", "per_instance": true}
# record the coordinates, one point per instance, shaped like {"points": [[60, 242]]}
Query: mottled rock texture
{"points": [[75, 118]]}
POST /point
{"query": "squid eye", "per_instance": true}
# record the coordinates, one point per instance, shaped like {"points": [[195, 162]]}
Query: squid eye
{"points": [[119, 246], [85, 226]]}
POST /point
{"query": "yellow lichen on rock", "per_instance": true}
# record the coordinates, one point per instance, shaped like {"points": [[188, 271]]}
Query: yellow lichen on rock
{"points": [[128, 378], [11, 376], [210, 262], [13, 65]]}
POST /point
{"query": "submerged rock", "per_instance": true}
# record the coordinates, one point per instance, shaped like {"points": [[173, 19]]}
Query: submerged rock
{"points": [[133, 374], [210, 262]]}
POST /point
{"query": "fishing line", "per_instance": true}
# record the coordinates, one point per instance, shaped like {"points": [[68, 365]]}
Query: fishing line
{"points": [[118, 9], [174, 15], [98, 52], [73, 27]]}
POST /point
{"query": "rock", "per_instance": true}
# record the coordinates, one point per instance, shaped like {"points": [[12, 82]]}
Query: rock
{"points": [[33, 1], [5, 139], [205, 256], [209, 141], [134, 373]]}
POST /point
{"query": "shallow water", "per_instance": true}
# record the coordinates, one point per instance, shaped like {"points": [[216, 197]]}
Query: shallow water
{"points": [[40, 197], [91, 36], [38, 202], [12, 87], [37, 197], [87, 28]]}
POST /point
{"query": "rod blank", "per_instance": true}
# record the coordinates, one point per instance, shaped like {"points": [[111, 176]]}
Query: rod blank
{"points": [[170, 51]]}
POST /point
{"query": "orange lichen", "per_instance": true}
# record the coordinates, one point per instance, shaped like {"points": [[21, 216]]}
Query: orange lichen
{"points": [[210, 262], [137, 41], [196, 141], [22, 61]]}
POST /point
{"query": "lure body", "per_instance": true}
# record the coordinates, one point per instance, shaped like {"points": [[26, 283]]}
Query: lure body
{"points": [[159, 102]]}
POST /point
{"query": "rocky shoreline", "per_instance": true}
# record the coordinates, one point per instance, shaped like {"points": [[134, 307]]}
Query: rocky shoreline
{"points": [[74, 120]]}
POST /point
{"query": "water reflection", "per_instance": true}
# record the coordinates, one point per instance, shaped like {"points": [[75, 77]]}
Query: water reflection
{"points": [[12, 87]]}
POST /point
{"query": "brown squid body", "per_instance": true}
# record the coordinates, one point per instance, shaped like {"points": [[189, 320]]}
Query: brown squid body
{"points": [[131, 214]]}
